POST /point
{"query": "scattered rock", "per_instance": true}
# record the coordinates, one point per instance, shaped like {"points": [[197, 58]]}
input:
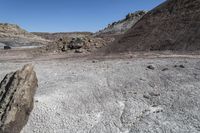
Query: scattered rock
{"points": [[94, 61], [64, 48], [165, 69], [181, 66], [142, 79], [146, 96], [17, 90], [154, 94], [78, 51], [60, 39], [154, 105], [151, 67], [88, 50]]}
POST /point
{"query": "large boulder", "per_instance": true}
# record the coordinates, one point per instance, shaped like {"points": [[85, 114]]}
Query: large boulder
{"points": [[17, 91]]}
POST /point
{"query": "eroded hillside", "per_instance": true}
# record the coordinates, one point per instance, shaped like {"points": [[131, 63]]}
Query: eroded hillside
{"points": [[174, 25], [121, 26], [14, 36]]}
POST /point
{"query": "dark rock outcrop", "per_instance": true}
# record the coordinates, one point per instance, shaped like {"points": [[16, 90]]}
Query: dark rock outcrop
{"points": [[174, 25], [16, 99]]}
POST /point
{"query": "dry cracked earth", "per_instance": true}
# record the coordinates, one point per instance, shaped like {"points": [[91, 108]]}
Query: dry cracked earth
{"points": [[137, 95]]}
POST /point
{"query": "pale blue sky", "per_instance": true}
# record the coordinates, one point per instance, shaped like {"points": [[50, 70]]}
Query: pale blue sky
{"points": [[69, 15]]}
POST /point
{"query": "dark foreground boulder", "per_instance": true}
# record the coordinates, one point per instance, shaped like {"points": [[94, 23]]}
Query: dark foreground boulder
{"points": [[17, 90]]}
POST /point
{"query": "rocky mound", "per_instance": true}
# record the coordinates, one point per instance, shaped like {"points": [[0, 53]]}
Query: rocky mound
{"points": [[174, 25], [121, 26], [72, 42], [14, 36], [16, 99], [83, 44]]}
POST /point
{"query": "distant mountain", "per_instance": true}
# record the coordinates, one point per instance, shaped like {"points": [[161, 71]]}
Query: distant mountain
{"points": [[173, 25], [14, 36], [58, 35], [121, 26]]}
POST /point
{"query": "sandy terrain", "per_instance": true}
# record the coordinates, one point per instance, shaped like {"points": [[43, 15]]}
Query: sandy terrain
{"points": [[114, 95]]}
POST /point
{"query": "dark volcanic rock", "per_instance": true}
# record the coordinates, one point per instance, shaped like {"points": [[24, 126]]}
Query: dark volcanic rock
{"points": [[16, 99], [174, 25]]}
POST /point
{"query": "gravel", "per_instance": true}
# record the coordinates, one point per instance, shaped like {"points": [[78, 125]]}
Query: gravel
{"points": [[114, 96]]}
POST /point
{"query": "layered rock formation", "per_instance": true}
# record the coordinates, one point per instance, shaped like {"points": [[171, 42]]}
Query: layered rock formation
{"points": [[14, 36], [121, 26], [16, 99], [174, 25]]}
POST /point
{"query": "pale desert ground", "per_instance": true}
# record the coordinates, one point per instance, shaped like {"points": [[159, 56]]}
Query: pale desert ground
{"points": [[114, 95]]}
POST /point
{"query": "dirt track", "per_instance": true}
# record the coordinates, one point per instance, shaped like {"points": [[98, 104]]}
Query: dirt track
{"points": [[114, 95]]}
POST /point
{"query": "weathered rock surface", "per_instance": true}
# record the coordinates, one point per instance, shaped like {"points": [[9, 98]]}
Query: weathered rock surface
{"points": [[16, 99], [121, 26], [174, 25]]}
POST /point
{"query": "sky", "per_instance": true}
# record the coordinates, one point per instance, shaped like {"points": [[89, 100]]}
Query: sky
{"points": [[69, 15]]}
